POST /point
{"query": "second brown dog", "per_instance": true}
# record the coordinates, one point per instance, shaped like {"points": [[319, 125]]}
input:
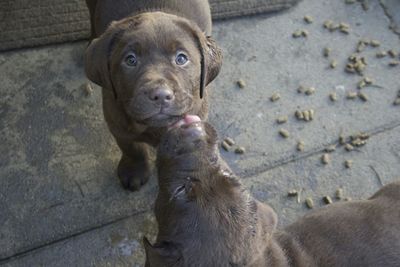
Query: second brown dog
{"points": [[207, 218]]}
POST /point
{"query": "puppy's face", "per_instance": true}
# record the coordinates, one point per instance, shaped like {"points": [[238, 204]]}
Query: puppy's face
{"points": [[156, 65]]}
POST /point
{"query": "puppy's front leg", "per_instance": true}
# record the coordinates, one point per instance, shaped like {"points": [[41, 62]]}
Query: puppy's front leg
{"points": [[134, 168]]}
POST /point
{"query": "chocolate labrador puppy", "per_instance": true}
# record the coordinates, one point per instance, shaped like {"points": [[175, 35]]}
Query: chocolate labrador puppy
{"points": [[153, 60], [207, 218]]}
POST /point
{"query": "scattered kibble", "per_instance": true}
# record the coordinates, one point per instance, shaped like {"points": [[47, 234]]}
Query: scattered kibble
{"points": [[241, 83], [330, 148], [381, 54], [300, 146], [308, 19], [349, 147], [309, 91], [392, 53], [301, 89], [325, 159], [394, 63], [292, 193], [284, 133], [342, 139], [351, 95], [348, 163], [88, 89], [375, 43], [225, 146], [333, 64], [333, 96], [327, 200], [282, 119], [229, 141], [305, 115], [339, 193], [363, 96], [309, 203], [275, 97], [327, 51], [240, 150], [344, 27]]}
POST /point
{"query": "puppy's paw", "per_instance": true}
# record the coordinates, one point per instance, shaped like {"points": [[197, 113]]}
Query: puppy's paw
{"points": [[133, 174]]}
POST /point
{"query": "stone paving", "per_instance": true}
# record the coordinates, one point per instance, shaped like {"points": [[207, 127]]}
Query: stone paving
{"points": [[60, 201]]}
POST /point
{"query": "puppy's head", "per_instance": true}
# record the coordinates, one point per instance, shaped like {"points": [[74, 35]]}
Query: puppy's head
{"points": [[156, 64]]}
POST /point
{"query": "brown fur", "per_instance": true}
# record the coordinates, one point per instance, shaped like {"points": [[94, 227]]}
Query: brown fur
{"points": [[207, 218], [156, 32]]}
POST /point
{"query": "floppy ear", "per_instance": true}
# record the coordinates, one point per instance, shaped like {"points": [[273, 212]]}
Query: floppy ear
{"points": [[160, 255], [211, 60], [97, 65]]}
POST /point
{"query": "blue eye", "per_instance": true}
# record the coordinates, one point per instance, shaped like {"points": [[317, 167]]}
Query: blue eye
{"points": [[131, 60], [181, 59]]}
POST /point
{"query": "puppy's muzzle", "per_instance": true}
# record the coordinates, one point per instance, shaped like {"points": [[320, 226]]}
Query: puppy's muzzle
{"points": [[162, 96]]}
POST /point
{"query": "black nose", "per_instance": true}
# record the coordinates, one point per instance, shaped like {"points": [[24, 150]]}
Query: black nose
{"points": [[162, 95]]}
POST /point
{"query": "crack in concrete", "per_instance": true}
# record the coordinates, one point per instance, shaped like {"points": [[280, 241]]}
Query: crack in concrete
{"points": [[247, 173], [392, 26], [26, 252]]}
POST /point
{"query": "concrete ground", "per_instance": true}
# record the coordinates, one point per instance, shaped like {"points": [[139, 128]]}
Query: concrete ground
{"points": [[60, 201]]}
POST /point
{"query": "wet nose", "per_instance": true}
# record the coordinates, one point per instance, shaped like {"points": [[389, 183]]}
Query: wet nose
{"points": [[162, 95]]}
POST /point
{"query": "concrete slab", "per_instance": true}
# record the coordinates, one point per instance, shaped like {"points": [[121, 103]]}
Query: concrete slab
{"points": [[60, 201]]}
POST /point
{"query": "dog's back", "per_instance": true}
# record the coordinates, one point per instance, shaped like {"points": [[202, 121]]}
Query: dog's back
{"points": [[103, 12], [358, 233]]}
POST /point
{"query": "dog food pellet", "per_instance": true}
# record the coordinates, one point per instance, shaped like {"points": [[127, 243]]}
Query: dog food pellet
{"points": [[311, 112], [342, 139], [299, 115], [397, 102], [282, 119], [304, 33], [333, 64], [333, 96], [360, 46], [327, 200], [301, 89], [392, 53], [394, 63], [306, 115], [348, 163], [325, 159], [225, 145], [368, 80], [275, 97], [308, 19], [88, 89], [328, 24], [292, 193], [351, 95], [363, 96], [339, 193], [375, 43], [240, 150], [284, 133], [345, 30], [309, 203], [309, 91], [381, 54], [330, 148], [241, 83], [229, 141], [297, 34], [349, 147], [300, 146], [361, 84], [327, 51]]}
